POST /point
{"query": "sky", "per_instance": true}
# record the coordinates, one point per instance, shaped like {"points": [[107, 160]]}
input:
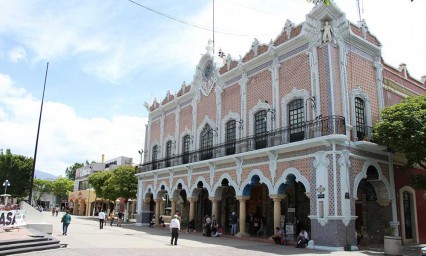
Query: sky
{"points": [[107, 57]]}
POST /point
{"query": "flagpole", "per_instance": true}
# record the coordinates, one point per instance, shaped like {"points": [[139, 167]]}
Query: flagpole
{"points": [[36, 145]]}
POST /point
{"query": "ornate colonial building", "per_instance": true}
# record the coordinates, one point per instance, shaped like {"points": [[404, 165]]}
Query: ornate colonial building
{"points": [[283, 132]]}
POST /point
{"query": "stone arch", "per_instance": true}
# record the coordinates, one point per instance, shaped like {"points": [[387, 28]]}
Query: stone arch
{"points": [[193, 192], [299, 178], [148, 191], [381, 185], [162, 187], [413, 208], [175, 188], [217, 188], [247, 182]]}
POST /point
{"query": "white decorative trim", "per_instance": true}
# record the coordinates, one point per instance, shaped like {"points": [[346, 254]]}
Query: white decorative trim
{"points": [[200, 128], [273, 165], [239, 169], [288, 27], [149, 187], [258, 107], [194, 186], [263, 180], [413, 209], [299, 178], [230, 180], [185, 132], [167, 139], [294, 94], [255, 46], [230, 116], [174, 188], [158, 189], [363, 174], [358, 92]]}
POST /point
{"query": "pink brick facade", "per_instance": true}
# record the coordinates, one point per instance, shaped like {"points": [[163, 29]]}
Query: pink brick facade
{"points": [[301, 108]]}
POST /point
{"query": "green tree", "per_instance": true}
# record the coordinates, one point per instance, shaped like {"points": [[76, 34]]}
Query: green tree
{"points": [[70, 171], [403, 129], [41, 187], [17, 169], [97, 181], [122, 183], [62, 186]]}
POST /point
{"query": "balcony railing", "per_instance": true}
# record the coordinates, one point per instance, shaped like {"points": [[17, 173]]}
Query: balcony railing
{"points": [[303, 131]]}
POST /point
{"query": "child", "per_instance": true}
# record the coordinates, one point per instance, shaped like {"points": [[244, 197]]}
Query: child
{"points": [[219, 231], [151, 224]]}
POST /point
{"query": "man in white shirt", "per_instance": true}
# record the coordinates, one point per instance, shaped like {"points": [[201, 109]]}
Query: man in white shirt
{"points": [[101, 219], [175, 228]]}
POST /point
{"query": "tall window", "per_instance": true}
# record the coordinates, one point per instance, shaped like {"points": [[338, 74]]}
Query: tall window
{"points": [[360, 118], [168, 153], [407, 216], [155, 157], [295, 120], [185, 149], [206, 141], [260, 132], [231, 136]]}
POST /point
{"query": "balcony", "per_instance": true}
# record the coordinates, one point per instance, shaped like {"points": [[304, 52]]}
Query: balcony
{"points": [[303, 131]]}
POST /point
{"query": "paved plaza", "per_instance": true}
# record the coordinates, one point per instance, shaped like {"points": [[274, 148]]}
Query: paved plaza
{"points": [[85, 238]]}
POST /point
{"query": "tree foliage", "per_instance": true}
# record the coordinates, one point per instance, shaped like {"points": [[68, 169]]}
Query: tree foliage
{"points": [[62, 186], [41, 187], [123, 183], [17, 169], [70, 171], [97, 181], [120, 182], [403, 129]]}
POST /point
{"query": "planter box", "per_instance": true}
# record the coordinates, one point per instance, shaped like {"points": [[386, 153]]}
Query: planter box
{"points": [[392, 245]]}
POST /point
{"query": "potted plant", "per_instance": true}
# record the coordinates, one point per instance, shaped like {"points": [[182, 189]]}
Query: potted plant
{"points": [[392, 244]]}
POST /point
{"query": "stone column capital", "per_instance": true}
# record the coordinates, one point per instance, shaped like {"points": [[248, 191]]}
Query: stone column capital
{"points": [[192, 199], [242, 198], [214, 199], [277, 198]]}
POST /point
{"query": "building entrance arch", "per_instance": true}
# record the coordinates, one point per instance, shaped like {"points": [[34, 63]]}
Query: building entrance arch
{"points": [[372, 206], [295, 205]]}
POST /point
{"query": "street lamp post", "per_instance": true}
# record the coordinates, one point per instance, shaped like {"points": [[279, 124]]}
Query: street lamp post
{"points": [[5, 185]]}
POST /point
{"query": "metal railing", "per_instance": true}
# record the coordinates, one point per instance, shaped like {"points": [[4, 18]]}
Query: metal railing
{"points": [[307, 130]]}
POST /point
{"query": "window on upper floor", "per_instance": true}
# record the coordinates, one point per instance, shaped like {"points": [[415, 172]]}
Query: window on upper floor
{"points": [[230, 137], [185, 148], [295, 120], [360, 118], [168, 153], [206, 143], [155, 157], [260, 132]]}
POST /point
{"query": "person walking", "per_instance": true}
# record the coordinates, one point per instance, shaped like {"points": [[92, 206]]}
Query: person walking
{"points": [[234, 219], [66, 220], [174, 228], [101, 217], [262, 229], [120, 218], [111, 218]]}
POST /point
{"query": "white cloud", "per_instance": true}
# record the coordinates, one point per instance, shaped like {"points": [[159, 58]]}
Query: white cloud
{"points": [[65, 138], [17, 53]]}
